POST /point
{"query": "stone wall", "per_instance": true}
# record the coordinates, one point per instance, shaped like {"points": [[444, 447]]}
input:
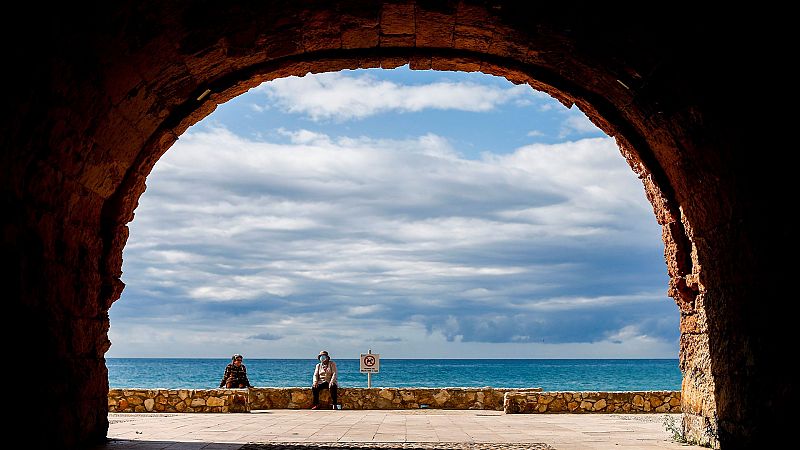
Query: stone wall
{"points": [[178, 400], [509, 400], [529, 402], [383, 398]]}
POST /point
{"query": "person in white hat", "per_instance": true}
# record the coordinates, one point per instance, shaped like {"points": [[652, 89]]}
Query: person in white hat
{"points": [[325, 377]]}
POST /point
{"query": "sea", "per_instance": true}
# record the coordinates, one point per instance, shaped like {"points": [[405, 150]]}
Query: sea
{"points": [[549, 374]]}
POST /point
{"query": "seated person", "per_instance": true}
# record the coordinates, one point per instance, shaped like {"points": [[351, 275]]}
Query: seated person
{"points": [[235, 374], [325, 377]]}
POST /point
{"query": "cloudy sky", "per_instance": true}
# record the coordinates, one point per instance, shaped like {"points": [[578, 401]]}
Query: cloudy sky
{"points": [[421, 214]]}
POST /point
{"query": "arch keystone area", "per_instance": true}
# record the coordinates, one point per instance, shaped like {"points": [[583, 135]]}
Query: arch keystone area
{"points": [[97, 93]]}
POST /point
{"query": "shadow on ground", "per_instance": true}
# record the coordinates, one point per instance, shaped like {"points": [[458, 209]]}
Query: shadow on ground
{"points": [[398, 446], [174, 445], [125, 444]]}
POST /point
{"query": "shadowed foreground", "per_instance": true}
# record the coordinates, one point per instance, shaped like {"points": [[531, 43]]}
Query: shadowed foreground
{"points": [[407, 429]]}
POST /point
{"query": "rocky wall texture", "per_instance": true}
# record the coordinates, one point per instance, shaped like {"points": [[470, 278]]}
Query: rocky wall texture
{"points": [[98, 91], [178, 400], [531, 402], [509, 400], [382, 398]]}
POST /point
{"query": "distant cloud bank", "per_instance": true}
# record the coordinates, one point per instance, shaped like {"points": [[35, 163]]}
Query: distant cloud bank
{"points": [[346, 97], [423, 215]]}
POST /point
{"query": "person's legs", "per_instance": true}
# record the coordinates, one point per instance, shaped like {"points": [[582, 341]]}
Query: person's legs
{"points": [[333, 389], [315, 392], [230, 384]]}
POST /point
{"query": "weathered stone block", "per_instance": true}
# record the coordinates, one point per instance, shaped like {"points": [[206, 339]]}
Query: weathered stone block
{"points": [[441, 397], [599, 405], [386, 394], [397, 19], [215, 401]]}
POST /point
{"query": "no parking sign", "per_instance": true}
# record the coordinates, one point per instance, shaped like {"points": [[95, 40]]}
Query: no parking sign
{"points": [[370, 363]]}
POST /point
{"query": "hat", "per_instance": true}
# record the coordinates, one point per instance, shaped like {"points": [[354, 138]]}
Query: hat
{"points": [[236, 356], [324, 352]]}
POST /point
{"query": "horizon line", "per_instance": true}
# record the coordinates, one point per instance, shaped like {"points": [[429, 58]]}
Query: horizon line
{"points": [[421, 359]]}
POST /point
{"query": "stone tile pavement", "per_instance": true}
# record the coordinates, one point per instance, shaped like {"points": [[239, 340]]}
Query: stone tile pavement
{"points": [[418, 429]]}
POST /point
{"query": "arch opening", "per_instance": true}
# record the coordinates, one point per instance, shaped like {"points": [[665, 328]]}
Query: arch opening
{"points": [[402, 196], [683, 286]]}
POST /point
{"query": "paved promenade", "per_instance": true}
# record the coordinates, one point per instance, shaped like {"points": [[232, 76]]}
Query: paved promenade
{"points": [[406, 429]]}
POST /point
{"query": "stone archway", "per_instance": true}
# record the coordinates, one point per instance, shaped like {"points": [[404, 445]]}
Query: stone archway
{"points": [[121, 82]]}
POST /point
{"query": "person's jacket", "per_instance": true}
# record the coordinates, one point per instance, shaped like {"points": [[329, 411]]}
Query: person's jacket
{"points": [[320, 376], [237, 374]]}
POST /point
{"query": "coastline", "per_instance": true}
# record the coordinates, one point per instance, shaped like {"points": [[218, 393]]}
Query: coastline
{"points": [[616, 375]]}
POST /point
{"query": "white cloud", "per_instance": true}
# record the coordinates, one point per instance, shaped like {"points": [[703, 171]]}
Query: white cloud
{"points": [[304, 136], [241, 287], [344, 97], [412, 340], [400, 238], [364, 310], [592, 303], [577, 124]]}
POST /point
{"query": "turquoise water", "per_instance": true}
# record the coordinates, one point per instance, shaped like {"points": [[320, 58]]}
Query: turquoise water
{"points": [[550, 374]]}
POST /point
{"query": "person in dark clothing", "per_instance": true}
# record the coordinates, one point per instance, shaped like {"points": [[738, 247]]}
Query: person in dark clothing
{"points": [[235, 374]]}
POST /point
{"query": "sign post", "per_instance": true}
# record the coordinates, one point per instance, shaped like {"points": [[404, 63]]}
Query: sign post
{"points": [[370, 363]]}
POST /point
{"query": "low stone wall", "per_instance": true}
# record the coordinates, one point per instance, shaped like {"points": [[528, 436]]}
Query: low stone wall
{"points": [[509, 400], [530, 402], [382, 398], [244, 400], [178, 400]]}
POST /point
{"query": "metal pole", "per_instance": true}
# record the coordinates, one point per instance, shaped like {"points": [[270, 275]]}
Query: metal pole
{"points": [[369, 374]]}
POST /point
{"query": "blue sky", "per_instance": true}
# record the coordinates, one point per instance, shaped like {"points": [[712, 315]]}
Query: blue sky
{"points": [[421, 214]]}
